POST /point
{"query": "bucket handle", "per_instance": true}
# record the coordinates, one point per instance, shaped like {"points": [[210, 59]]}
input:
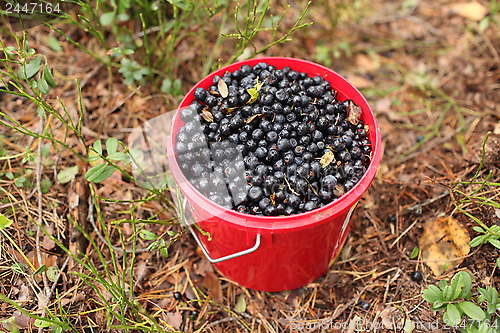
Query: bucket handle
{"points": [[205, 251]]}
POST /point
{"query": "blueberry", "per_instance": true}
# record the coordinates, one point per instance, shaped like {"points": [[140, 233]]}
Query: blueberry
{"points": [[328, 182], [200, 94], [261, 152], [181, 147], [270, 211], [283, 144], [301, 186], [322, 123], [267, 99], [317, 136], [264, 203], [289, 210], [178, 296], [273, 154], [255, 193], [271, 136], [326, 196], [416, 276], [310, 205], [210, 100], [344, 156], [364, 305]]}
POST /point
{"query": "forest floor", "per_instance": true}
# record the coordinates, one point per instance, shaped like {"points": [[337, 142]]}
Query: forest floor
{"points": [[430, 71]]}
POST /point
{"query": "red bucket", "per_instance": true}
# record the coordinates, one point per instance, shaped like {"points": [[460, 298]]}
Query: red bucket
{"points": [[283, 252]]}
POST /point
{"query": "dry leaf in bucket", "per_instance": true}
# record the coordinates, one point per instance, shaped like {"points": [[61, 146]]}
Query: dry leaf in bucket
{"points": [[444, 243], [353, 113], [207, 115], [327, 158], [223, 90]]}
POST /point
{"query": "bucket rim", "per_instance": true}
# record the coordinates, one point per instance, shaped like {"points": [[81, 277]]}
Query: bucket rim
{"points": [[296, 221]]}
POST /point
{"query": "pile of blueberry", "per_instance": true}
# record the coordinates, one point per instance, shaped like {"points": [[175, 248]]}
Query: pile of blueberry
{"points": [[271, 142]]}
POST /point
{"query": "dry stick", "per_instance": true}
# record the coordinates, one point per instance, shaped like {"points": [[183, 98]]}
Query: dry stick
{"points": [[417, 207], [40, 220], [84, 81], [432, 143], [379, 234], [141, 34], [402, 234], [56, 280], [90, 217], [225, 320], [390, 280], [10, 204]]}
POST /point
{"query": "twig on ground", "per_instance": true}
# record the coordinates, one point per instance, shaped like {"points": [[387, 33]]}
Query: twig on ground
{"points": [[402, 234], [226, 320], [56, 280], [101, 237], [14, 203], [84, 81], [418, 206], [379, 234], [39, 168]]}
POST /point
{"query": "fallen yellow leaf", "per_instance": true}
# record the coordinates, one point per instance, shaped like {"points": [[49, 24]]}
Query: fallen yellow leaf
{"points": [[443, 244], [470, 10]]}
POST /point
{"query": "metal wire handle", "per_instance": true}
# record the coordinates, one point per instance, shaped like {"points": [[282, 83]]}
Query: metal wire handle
{"points": [[204, 250]]}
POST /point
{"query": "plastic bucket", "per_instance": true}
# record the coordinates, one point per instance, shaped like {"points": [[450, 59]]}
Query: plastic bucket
{"points": [[284, 252]]}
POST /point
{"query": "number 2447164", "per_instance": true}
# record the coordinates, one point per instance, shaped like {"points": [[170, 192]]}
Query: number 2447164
{"points": [[32, 8]]}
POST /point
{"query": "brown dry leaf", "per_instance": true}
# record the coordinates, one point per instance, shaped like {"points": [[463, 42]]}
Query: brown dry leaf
{"points": [[73, 200], [384, 106], [387, 317], [212, 283], [25, 293], [174, 319], [48, 243], [339, 190], [249, 120], [214, 92], [359, 81], [140, 270], [327, 158], [202, 267], [222, 86], [353, 113], [471, 10], [444, 243], [496, 129], [207, 115], [22, 320], [366, 63]]}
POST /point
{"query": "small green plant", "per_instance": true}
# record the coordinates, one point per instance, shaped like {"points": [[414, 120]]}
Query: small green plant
{"points": [[460, 311], [252, 14], [133, 71], [487, 236], [171, 87], [107, 167], [159, 243], [478, 196], [5, 222]]}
